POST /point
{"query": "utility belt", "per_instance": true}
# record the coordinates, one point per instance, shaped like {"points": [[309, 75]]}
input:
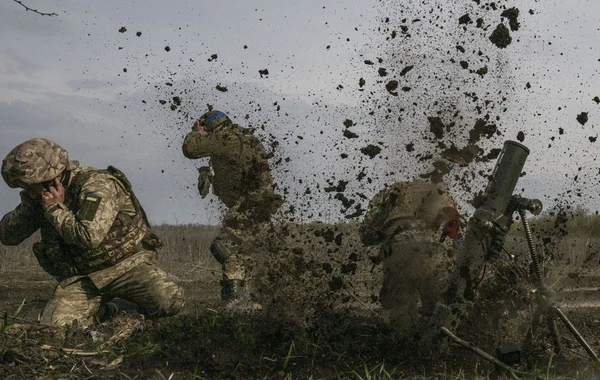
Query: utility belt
{"points": [[61, 263]]}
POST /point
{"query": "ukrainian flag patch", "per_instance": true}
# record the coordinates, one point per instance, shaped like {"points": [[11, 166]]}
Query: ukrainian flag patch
{"points": [[89, 207], [92, 198]]}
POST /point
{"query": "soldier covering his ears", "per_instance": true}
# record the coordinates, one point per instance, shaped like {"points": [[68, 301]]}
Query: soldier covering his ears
{"points": [[95, 237]]}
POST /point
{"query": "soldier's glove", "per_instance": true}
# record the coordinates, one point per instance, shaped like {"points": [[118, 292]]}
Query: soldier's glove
{"points": [[204, 180]]}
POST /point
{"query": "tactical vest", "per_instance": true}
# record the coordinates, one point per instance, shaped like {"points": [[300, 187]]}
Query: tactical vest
{"points": [[126, 236]]}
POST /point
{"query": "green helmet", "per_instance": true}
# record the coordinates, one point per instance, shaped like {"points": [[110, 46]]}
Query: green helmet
{"points": [[34, 161], [212, 119]]}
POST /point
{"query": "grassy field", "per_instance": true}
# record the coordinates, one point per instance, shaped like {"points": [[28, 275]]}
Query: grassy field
{"points": [[321, 317]]}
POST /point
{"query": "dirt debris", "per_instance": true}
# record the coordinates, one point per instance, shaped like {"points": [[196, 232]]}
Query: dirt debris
{"points": [[501, 36], [582, 118], [371, 150], [512, 14]]}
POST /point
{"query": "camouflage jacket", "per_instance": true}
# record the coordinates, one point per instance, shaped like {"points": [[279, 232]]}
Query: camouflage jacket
{"points": [[416, 210], [239, 161], [99, 224]]}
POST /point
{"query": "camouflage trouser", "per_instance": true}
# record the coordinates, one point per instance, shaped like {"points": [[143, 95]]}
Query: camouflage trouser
{"points": [[153, 290], [414, 274], [227, 246]]}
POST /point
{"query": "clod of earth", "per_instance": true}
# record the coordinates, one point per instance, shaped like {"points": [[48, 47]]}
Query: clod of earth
{"points": [[263, 72], [436, 126], [464, 64], [162, 101], [596, 99], [371, 150], [122, 29], [368, 62], [138, 34], [481, 129], [221, 88], [482, 71], [593, 139], [392, 86], [177, 100], [406, 70], [361, 82], [348, 123], [350, 135], [460, 48], [167, 48], [382, 72], [501, 36], [464, 19], [521, 136], [479, 23], [340, 187], [512, 15], [463, 156], [582, 118]]}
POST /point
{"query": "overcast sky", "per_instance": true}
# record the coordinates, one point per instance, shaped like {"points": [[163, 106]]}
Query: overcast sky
{"points": [[75, 79]]}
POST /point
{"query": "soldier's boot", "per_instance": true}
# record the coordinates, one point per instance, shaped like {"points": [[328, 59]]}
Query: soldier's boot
{"points": [[235, 297], [106, 312]]}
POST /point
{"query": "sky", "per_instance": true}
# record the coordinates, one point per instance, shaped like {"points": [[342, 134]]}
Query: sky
{"points": [[76, 79]]}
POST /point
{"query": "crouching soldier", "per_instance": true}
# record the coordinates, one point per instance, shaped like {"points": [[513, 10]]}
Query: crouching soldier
{"points": [[418, 226], [95, 237]]}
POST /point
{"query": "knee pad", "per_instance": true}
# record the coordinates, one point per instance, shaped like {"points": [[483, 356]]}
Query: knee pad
{"points": [[220, 251]]}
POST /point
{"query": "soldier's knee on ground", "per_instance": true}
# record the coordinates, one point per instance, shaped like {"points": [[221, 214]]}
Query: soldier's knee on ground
{"points": [[220, 252], [169, 302]]}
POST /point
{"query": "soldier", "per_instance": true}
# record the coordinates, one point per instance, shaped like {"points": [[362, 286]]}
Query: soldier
{"points": [[95, 237], [417, 225], [242, 181]]}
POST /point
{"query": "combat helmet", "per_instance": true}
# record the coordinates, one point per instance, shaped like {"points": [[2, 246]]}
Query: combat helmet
{"points": [[34, 161], [212, 119]]}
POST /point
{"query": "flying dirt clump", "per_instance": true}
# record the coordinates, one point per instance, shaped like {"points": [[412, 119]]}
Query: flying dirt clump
{"points": [[501, 36], [371, 150], [596, 99], [512, 15], [436, 126], [391, 87], [582, 118]]}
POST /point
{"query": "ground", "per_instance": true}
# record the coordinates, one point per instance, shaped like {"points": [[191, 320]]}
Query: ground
{"points": [[322, 322]]}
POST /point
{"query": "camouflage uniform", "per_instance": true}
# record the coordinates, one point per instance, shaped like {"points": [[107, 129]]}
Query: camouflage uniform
{"points": [[97, 243], [416, 224], [242, 180]]}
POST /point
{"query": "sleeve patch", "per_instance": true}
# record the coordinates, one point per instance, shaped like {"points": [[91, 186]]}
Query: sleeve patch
{"points": [[89, 207]]}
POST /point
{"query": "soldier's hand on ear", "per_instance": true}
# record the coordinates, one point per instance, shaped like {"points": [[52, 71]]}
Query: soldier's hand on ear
{"points": [[55, 194]]}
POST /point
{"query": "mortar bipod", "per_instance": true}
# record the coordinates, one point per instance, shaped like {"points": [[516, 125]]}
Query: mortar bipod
{"points": [[546, 307]]}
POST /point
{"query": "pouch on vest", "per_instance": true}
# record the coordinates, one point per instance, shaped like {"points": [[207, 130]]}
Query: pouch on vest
{"points": [[53, 266], [205, 178], [150, 239]]}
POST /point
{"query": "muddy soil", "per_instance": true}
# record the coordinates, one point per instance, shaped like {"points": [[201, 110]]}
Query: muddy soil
{"points": [[321, 318]]}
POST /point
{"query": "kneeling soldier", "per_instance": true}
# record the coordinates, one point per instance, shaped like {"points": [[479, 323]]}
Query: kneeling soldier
{"points": [[95, 237]]}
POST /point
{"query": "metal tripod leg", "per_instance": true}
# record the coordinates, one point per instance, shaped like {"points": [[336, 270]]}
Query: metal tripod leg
{"points": [[554, 310]]}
